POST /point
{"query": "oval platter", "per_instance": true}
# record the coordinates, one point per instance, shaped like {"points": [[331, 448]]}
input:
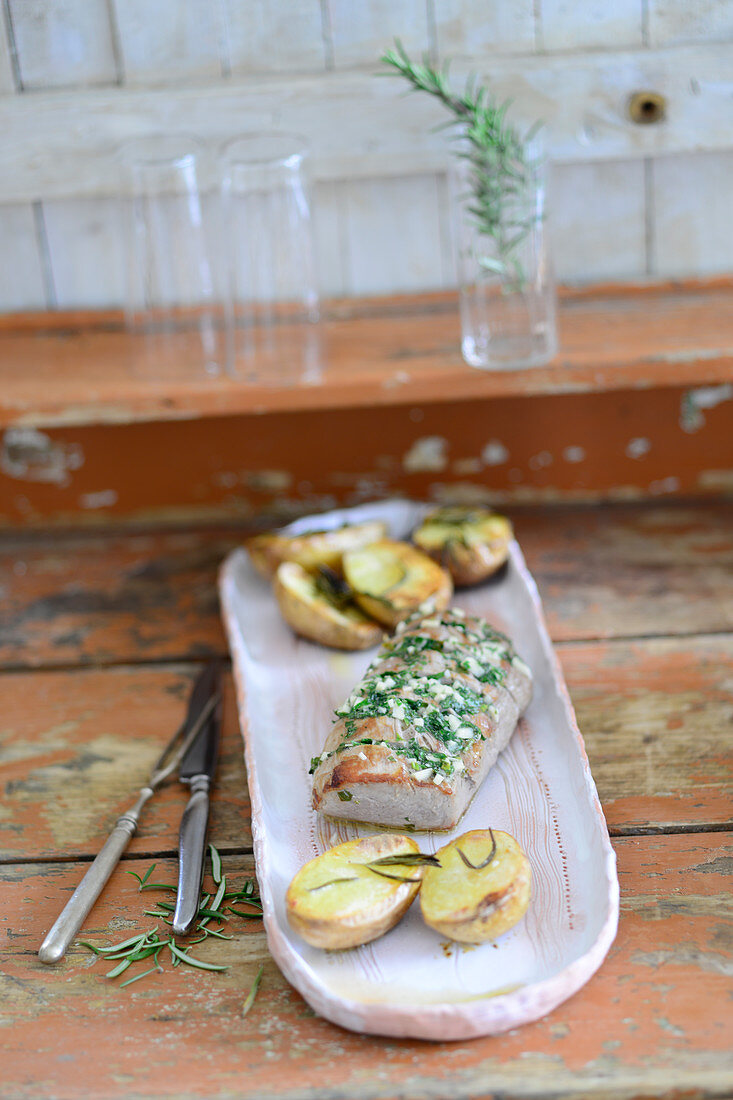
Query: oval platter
{"points": [[412, 983]]}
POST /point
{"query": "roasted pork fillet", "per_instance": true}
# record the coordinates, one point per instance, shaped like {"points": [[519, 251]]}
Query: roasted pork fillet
{"points": [[418, 735]]}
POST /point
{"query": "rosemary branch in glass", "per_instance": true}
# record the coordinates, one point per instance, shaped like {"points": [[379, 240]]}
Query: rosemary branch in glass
{"points": [[500, 172]]}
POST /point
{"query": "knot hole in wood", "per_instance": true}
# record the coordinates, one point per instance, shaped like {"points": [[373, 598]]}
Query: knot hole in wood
{"points": [[646, 108]]}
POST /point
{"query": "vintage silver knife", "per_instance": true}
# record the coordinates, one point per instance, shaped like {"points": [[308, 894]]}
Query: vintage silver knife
{"points": [[203, 702], [197, 769]]}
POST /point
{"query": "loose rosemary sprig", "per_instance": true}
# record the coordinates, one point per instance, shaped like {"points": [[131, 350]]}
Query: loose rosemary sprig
{"points": [[499, 171], [150, 944]]}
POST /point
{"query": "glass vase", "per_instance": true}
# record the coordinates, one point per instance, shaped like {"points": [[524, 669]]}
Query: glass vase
{"points": [[506, 288]]}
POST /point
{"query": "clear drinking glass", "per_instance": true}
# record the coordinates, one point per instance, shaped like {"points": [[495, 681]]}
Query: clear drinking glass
{"points": [[506, 287], [273, 295], [173, 306]]}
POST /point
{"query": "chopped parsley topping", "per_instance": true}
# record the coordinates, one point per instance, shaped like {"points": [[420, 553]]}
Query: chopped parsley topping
{"points": [[412, 647], [434, 706]]}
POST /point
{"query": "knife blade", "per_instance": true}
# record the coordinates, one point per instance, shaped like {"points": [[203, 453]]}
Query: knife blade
{"points": [[197, 769]]}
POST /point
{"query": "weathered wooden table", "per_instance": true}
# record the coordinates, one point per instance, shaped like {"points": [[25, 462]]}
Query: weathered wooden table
{"points": [[100, 637]]}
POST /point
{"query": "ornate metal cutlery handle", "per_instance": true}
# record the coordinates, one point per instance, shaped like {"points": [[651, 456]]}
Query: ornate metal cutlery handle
{"points": [[75, 911]]}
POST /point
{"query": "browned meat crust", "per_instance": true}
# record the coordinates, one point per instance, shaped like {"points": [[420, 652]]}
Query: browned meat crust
{"points": [[418, 735]]}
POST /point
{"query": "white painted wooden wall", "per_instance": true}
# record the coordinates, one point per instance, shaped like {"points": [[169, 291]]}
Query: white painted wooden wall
{"points": [[79, 76]]}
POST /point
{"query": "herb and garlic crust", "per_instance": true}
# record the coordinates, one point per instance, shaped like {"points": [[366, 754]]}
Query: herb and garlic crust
{"points": [[418, 735]]}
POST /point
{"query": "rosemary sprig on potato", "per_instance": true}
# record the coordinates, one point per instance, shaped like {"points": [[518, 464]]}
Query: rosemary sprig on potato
{"points": [[466, 893]]}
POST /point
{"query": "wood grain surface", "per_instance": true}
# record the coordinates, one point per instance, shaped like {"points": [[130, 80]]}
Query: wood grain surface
{"points": [[631, 570], [603, 572], [77, 749], [648, 1024], [81, 368], [642, 411], [105, 598], [100, 641], [656, 717]]}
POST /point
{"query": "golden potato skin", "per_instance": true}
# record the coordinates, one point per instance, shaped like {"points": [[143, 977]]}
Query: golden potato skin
{"points": [[474, 906], [312, 615], [471, 543], [268, 550], [392, 579], [347, 914]]}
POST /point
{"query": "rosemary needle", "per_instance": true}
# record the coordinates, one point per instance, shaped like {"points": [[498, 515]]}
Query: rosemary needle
{"points": [[213, 932], [250, 999], [486, 862], [245, 897], [184, 958], [211, 914], [149, 944], [405, 859], [215, 864], [396, 878], [113, 947], [331, 882], [144, 974], [145, 877], [220, 893], [148, 873], [119, 968]]}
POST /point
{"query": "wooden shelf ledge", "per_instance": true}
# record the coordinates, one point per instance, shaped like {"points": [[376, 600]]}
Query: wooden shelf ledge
{"points": [[61, 369]]}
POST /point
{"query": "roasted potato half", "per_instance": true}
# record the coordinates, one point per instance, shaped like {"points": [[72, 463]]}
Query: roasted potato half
{"points": [[471, 543], [312, 612], [481, 888], [345, 897], [390, 580], [267, 551]]}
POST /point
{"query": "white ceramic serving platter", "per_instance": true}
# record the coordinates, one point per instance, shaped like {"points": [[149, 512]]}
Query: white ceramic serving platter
{"points": [[411, 982]]}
